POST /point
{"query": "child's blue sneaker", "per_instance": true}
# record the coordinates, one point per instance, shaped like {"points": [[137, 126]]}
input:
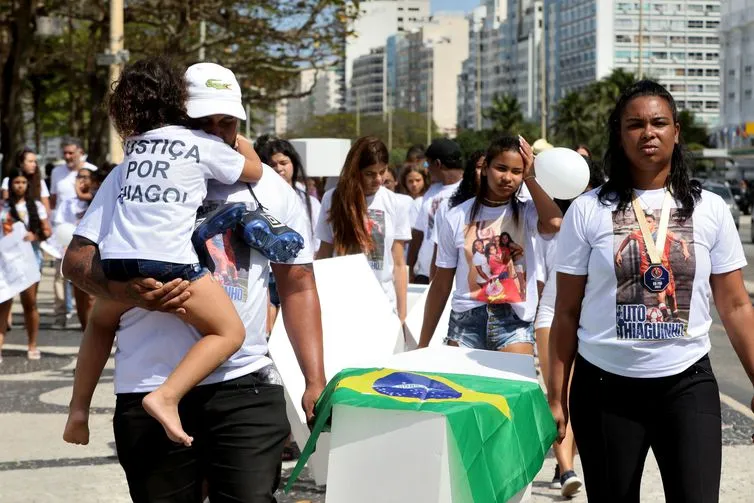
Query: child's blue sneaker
{"points": [[217, 221], [271, 238]]}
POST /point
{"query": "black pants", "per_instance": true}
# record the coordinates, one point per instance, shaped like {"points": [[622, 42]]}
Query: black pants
{"points": [[617, 419], [239, 429], [421, 280]]}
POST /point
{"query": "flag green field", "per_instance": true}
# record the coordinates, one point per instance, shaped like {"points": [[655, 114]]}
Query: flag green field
{"points": [[499, 430]]}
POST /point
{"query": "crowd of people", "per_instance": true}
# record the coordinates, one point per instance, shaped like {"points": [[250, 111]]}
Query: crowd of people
{"points": [[200, 409], [44, 202]]}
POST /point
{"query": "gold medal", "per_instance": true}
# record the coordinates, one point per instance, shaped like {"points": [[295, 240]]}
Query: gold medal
{"points": [[657, 277]]}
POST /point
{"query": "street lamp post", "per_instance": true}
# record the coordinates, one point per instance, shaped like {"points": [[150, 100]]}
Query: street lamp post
{"points": [[114, 57], [116, 49], [641, 39], [430, 71]]}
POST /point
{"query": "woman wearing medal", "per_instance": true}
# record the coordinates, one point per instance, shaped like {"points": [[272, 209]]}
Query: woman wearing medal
{"points": [[642, 377]]}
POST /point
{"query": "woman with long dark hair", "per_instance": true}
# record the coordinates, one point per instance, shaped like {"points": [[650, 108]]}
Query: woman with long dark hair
{"points": [[362, 216], [281, 156], [21, 207], [642, 377], [496, 312], [26, 161]]}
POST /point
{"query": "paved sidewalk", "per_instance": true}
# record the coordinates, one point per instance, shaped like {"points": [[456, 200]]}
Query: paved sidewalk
{"points": [[37, 466]]}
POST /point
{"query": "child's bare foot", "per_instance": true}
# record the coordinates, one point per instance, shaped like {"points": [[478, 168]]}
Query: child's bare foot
{"points": [[77, 427], [166, 412]]}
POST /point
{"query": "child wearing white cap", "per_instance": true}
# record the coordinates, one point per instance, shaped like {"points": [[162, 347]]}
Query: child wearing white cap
{"points": [[162, 184]]}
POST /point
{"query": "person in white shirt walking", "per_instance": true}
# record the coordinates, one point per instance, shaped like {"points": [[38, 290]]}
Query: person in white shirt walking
{"points": [[281, 156], [487, 245], [642, 376], [445, 165], [362, 216], [163, 182], [237, 414], [63, 193], [20, 206]]}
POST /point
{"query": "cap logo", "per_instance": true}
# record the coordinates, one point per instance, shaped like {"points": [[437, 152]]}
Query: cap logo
{"points": [[218, 84]]}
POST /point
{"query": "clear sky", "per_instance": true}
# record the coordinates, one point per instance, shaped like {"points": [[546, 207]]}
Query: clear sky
{"points": [[454, 5]]}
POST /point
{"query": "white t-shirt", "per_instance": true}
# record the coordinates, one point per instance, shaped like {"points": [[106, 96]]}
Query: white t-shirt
{"points": [[316, 207], [387, 224], [23, 212], [406, 207], [425, 222], [643, 339], [163, 183], [439, 217], [63, 187], [510, 275], [151, 344], [546, 248], [43, 190]]}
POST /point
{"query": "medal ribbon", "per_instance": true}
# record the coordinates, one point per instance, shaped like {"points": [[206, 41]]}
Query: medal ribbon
{"points": [[654, 248]]}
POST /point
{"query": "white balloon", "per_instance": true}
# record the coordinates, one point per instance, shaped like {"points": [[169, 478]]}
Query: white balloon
{"points": [[63, 234], [561, 172]]}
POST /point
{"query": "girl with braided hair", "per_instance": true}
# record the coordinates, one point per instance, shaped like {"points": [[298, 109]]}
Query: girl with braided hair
{"points": [[21, 207]]}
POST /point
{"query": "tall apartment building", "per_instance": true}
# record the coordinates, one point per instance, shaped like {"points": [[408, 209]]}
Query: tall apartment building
{"points": [[427, 65], [680, 47], [505, 40], [378, 20], [368, 90], [737, 34], [323, 88], [469, 100]]}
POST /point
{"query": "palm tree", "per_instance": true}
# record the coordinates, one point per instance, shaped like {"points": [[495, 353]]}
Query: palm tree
{"points": [[571, 122], [693, 133], [505, 114]]}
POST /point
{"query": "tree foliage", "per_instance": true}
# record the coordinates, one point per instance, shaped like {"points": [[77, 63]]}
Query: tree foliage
{"points": [[54, 78], [505, 113], [582, 116]]}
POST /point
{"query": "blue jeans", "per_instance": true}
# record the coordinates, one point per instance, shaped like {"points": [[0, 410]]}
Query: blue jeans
{"points": [[128, 269], [491, 327]]}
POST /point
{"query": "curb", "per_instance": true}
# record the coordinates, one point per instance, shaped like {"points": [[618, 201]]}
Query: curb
{"points": [[737, 406]]}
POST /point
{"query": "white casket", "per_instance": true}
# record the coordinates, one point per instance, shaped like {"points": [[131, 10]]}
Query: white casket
{"points": [[359, 327], [379, 456]]}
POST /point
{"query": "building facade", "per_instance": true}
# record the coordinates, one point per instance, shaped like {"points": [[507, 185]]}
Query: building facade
{"points": [[379, 20], [676, 42], [322, 96], [428, 62], [737, 39], [368, 91], [505, 54]]}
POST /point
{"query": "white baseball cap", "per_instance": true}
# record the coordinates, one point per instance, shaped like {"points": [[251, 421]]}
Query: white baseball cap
{"points": [[213, 89]]}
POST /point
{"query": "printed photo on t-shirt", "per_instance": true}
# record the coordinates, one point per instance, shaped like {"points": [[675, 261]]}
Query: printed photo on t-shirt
{"points": [[376, 229], [494, 251], [434, 205], [232, 258], [640, 313]]}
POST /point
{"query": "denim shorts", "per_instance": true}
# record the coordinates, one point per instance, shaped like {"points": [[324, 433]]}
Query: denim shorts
{"points": [[132, 268], [491, 327]]}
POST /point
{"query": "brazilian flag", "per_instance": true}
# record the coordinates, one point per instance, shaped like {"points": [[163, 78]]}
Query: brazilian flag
{"points": [[499, 429]]}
